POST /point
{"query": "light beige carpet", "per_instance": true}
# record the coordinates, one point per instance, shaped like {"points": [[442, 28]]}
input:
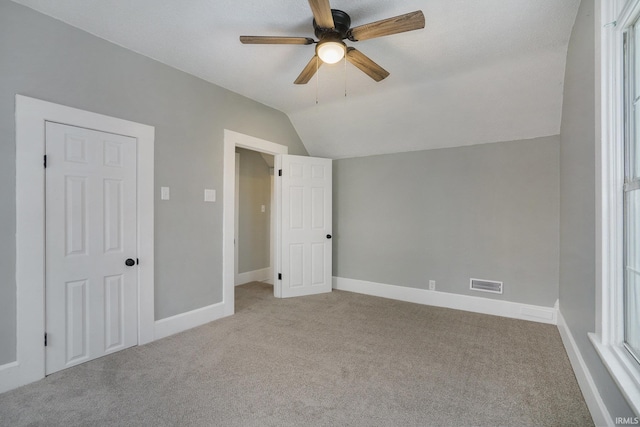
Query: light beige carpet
{"points": [[338, 359]]}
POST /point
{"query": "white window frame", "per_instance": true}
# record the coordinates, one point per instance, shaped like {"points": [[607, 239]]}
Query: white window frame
{"points": [[616, 16]]}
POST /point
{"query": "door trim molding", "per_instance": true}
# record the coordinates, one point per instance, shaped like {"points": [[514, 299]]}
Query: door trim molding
{"points": [[31, 115], [236, 219], [231, 141]]}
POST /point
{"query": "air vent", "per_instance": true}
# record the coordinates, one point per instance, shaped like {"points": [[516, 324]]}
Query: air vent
{"points": [[486, 286]]}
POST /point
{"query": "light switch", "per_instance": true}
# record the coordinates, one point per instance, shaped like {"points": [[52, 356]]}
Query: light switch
{"points": [[209, 195], [263, 208], [164, 193]]}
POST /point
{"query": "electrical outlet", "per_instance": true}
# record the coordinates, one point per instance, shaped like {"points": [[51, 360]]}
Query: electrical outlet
{"points": [[432, 285]]}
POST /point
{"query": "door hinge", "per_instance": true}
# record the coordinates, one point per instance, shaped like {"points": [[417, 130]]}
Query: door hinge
{"points": [[45, 161], [45, 339], [279, 172], [279, 276]]}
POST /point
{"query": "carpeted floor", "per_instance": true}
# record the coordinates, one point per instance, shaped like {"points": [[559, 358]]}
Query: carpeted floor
{"points": [[338, 359]]}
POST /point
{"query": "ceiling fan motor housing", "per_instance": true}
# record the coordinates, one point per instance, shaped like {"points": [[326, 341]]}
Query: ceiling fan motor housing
{"points": [[341, 22]]}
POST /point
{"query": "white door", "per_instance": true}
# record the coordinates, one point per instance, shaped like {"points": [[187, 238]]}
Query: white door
{"points": [[305, 225], [91, 291]]}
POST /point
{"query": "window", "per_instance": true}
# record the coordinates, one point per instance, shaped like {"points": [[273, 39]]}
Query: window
{"points": [[617, 337], [631, 191]]}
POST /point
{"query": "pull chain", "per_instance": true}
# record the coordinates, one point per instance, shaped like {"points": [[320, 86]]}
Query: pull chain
{"points": [[317, 78], [345, 76]]}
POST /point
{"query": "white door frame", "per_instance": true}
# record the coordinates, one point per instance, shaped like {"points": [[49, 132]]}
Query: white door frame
{"points": [[236, 219], [31, 115], [231, 141]]}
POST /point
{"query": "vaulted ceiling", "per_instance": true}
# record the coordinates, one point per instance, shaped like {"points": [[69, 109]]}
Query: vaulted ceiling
{"points": [[480, 71]]}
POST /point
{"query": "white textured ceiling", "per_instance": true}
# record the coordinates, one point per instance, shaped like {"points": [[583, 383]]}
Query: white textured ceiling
{"points": [[481, 71]]}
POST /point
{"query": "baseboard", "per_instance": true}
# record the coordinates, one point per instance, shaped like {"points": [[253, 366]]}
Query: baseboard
{"points": [[597, 408], [191, 319], [12, 376], [444, 299], [262, 275]]}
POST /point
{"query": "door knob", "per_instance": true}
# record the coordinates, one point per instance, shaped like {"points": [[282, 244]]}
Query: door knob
{"points": [[328, 236], [129, 262]]}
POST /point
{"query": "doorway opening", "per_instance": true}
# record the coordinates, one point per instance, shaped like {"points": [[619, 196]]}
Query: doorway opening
{"points": [[254, 222], [233, 140]]}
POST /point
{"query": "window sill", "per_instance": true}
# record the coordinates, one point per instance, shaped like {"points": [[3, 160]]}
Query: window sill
{"points": [[622, 367]]}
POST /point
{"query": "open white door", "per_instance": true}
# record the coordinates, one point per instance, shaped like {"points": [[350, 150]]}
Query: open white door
{"points": [[304, 225]]}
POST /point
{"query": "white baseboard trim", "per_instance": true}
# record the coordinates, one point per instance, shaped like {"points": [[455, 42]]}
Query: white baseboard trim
{"points": [[191, 319], [444, 299], [597, 408], [12, 376], [262, 275]]}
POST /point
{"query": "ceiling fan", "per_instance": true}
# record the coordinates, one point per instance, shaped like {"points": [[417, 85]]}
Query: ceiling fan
{"points": [[331, 27]]}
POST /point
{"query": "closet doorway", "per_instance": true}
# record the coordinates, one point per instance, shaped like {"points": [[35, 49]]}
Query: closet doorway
{"points": [[254, 219]]}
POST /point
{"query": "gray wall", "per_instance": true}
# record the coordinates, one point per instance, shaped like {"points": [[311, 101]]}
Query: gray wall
{"points": [[578, 201], [486, 211], [254, 226], [47, 59]]}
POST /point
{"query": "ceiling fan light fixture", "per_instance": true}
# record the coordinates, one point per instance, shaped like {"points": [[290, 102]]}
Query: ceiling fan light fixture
{"points": [[331, 51]]}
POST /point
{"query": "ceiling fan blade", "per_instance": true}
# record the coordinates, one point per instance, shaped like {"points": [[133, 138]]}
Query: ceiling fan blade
{"points": [[322, 13], [309, 70], [275, 40], [398, 24], [366, 65]]}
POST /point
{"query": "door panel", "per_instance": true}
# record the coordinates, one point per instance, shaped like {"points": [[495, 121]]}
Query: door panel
{"points": [[114, 316], [76, 319], [91, 296], [75, 215], [305, 249], [113, 215], [318, 264]]}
